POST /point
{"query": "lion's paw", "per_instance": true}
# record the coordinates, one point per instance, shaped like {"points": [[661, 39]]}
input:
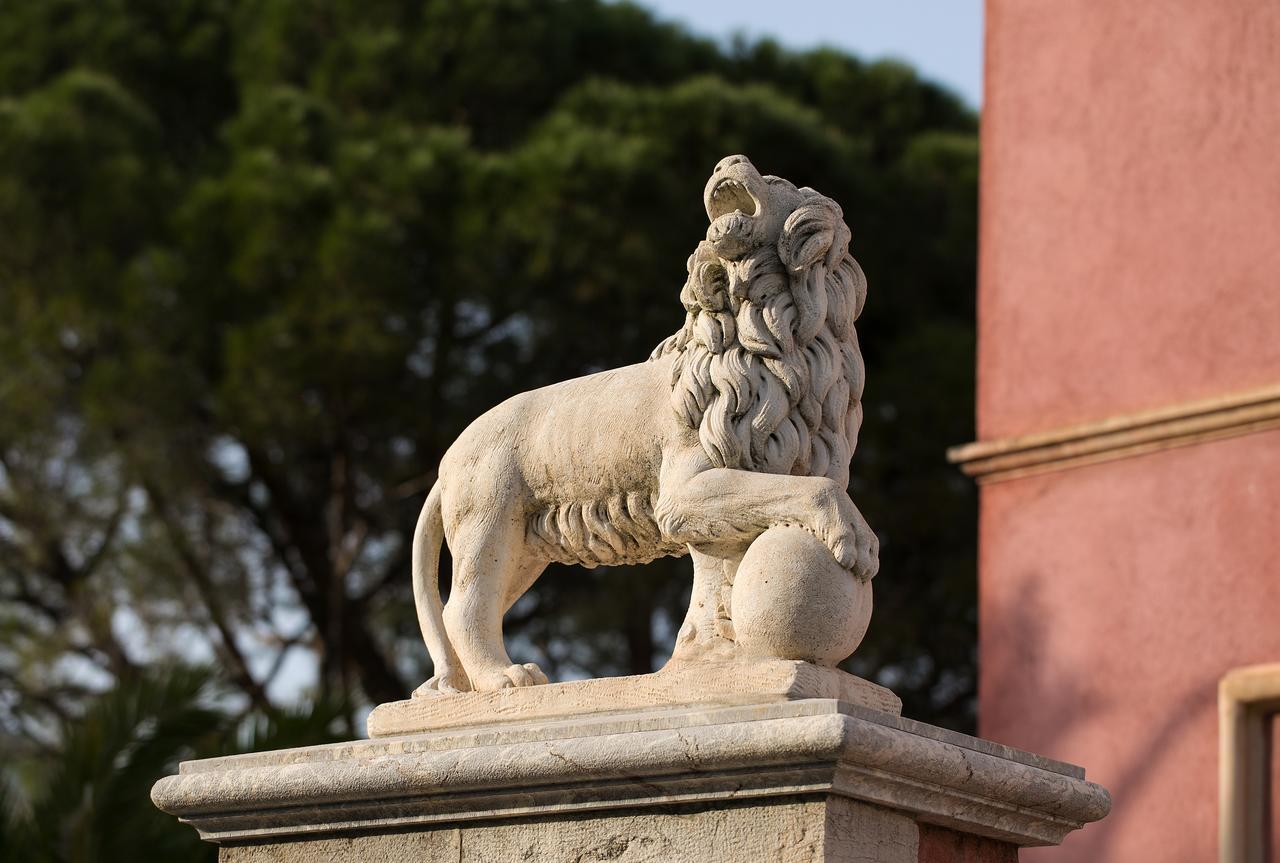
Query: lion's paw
{"points": [[845, 550], [445, 683], [528, 674], [844, 531], [512, 676], [856, 548]]}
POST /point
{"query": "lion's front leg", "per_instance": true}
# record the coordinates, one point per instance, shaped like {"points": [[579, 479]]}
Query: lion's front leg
{"points": [[720, 504], [707, 631]]}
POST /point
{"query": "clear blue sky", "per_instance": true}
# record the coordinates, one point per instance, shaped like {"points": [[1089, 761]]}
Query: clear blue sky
{"points": [[941, 38]]}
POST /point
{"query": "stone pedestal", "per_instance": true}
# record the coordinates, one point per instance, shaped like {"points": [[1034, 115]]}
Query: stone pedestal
{"points": [[781, 778]]}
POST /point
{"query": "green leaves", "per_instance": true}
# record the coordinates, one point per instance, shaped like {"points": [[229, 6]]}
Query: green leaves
{"points": [[92, 801], [85, 804]]}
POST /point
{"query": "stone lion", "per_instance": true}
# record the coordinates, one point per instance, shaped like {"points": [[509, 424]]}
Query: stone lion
{"points": [[743, 420]]}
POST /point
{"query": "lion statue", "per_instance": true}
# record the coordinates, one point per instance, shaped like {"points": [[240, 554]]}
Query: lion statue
{"points": [[743, 420]]}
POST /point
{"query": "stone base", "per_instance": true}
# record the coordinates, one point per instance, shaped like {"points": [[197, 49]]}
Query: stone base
{"points": [[693, 684], [808, 780], [777, 830]]}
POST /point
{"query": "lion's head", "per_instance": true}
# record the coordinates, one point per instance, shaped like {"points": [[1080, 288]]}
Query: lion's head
{"points": [[767, 367]]}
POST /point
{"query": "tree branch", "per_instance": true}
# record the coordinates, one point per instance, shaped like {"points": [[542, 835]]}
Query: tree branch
{"points": [[208, 593]]}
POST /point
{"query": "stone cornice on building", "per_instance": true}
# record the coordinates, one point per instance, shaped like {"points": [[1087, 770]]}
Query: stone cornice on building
{"points": [[1120, 436]]}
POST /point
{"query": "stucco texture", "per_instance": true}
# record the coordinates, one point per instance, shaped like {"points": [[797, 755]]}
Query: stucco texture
{"points": [[1130, 258], [1112, 600], [1129, 248]]}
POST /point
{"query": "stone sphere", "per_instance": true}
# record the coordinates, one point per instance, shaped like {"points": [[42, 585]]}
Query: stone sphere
{"points": [[791, 600]]}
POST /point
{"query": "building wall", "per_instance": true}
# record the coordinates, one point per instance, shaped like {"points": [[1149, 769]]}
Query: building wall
{"points": [[1130, 259]]}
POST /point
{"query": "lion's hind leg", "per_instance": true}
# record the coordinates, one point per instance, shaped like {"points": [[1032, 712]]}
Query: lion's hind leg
{"points": [[492, 567]]}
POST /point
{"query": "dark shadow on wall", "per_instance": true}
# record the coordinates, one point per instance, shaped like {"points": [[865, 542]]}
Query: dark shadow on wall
{"points": [[1051, 702]]}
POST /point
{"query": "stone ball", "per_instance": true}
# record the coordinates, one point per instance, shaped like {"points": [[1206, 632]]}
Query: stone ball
{"points": [[792, 600]]}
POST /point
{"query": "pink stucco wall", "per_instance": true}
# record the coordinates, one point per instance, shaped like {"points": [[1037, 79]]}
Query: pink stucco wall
{"points": [[1130, 258], [1130, 240], [1113, 598]]}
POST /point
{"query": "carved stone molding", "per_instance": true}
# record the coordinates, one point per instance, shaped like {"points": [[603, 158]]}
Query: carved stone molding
{"points": [[1120, 436], [545, 772]]}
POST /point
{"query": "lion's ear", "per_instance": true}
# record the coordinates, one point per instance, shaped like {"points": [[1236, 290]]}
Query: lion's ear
{"points": [[810, 232]]}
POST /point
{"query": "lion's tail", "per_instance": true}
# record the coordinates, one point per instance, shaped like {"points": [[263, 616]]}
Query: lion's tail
{"points": [[427, 539]]}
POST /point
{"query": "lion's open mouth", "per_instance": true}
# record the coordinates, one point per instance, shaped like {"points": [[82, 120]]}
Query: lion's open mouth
{"points": [[729, 196]]}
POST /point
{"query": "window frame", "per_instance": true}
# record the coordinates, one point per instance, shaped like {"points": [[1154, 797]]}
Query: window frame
{"points": [[1248, 699]]}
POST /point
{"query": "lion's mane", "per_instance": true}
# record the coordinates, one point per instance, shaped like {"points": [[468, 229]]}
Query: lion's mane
{"points": [[767, 366], [766, 369]]}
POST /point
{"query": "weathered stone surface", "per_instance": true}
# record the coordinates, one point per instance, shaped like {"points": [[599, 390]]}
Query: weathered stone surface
{"points": [[790, 598], [776, 830], [689, 684], [939, 845], [857, 833], [545, 772]]}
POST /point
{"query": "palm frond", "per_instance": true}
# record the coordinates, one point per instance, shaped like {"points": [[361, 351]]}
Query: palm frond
{"points": [[94, 804]]}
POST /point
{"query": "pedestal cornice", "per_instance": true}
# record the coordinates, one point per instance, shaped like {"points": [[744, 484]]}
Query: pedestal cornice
{"points": [[633, 760]]}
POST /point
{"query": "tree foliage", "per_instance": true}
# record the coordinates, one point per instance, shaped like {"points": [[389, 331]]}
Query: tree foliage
{"points": [[91, 803], [260, 262]]}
